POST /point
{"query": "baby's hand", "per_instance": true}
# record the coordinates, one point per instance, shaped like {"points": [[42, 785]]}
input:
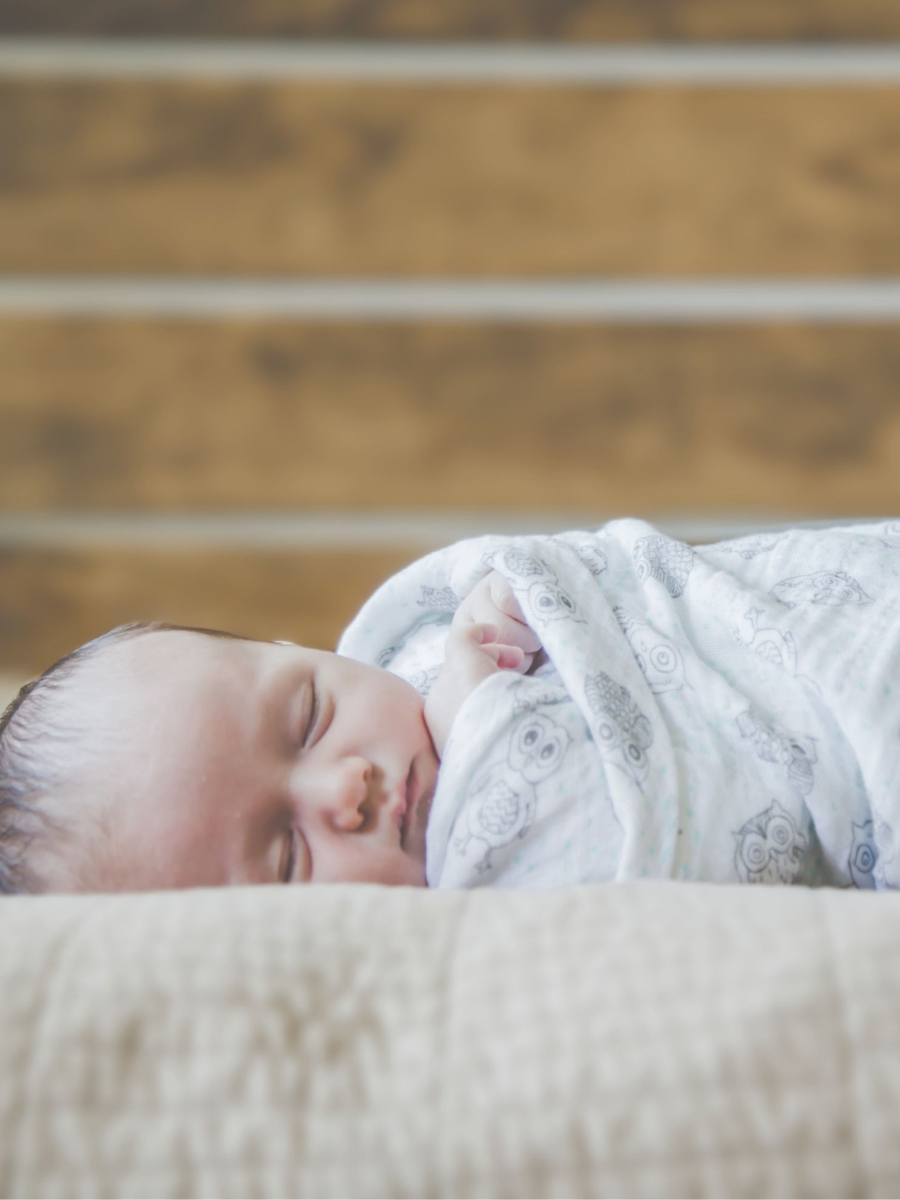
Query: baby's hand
{"points": [[472, 654], [493, 602]]}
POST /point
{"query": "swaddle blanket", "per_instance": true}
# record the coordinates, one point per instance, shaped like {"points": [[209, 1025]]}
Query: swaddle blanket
{"points": [[728, 713]]}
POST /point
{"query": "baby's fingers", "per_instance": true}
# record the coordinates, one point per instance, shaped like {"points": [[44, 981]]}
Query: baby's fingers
{"points": [[479, 632], [507, 658], [478, 639], [505, 601]]}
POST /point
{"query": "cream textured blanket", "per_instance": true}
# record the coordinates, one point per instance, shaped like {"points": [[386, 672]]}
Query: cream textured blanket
{"points": [[664, 1039]]}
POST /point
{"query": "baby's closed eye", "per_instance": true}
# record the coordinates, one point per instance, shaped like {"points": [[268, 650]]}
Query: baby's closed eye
{"points": [[294, 857]]}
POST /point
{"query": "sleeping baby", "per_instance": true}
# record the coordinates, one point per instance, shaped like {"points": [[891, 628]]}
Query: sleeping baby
{"points": [[510, 711]]}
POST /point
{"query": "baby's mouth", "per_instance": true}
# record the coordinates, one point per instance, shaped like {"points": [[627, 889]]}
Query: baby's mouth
{"points": [[411, 799]]}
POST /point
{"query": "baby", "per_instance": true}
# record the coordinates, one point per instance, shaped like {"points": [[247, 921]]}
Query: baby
{"points": [[519, 712], [160, 756]]}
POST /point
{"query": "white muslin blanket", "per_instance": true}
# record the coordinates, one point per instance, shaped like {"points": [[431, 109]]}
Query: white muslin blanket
{"points": [[726, 713]]}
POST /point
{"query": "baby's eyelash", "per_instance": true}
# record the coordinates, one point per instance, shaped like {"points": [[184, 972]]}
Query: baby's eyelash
{"points": [[291, 856], [313, 716]]}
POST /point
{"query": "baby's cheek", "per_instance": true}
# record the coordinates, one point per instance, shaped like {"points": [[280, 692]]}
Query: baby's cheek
{"points": [[391, 868]]}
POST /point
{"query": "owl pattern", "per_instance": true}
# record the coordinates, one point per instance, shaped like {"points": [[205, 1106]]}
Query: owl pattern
{"points": [[660, 659], [502, 801], [749, 547], [832, 588], [872, 850], [595, 560], [530, 693], [796, 752], [863, 855], [769, 847], [388, 654], [538, 588], [664, 559], [443, 599], [621, 730], [519, 562], [423, 681], [769, 643]]}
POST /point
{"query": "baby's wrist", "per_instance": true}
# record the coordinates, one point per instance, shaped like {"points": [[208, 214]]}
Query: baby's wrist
{"points": [[436, 722]]}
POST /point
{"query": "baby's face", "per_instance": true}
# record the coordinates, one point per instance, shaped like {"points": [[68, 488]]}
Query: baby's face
{"points": [[244, 762]]}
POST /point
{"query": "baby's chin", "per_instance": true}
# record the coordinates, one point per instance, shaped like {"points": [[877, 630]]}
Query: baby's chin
{"points": [[401, 870]]}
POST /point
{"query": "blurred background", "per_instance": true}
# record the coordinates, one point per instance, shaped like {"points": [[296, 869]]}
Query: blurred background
{"points": [[292, 291]]}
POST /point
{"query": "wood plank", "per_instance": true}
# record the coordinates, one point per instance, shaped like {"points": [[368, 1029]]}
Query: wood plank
{"points": [[54, 598], [162, 415], [486, 20], [364, 180]]}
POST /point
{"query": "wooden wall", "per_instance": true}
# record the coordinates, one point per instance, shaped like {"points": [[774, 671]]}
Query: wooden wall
{"points": [[409, 424], [591, 21]]}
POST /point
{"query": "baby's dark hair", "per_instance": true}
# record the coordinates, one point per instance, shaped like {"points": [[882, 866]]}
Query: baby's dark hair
{"points": [[41, 717]]}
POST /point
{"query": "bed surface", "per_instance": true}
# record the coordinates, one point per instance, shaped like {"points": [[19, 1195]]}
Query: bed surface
{"points": [[618, 1040]]}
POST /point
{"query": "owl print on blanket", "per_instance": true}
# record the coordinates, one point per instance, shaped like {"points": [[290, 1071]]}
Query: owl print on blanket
{"points": [[439, 599], [769, 847], [871, 854], [659, 557], [593, 558], [797, 752], [621, 730], [770, 644], [528, 694], [750, 547], [832, 588], [863, 855], [660, 659], [502, 801], [538, 588], [423, 680]]}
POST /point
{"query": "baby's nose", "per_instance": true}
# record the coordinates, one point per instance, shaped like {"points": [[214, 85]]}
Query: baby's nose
{"points": [[341, 791]]}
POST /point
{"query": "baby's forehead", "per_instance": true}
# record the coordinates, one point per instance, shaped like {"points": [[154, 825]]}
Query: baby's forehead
{"points": [[155, 646], [167, 693], [168, 663]]}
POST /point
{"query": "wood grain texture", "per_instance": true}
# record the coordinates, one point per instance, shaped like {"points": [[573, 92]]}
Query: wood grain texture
{"points": [[168, 416], [485, 20], [53, 599], [343, 181]]}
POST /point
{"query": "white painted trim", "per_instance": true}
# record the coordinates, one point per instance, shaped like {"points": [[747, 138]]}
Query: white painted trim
{"points": [[357, 529], [450, 63], [734, 300]]}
